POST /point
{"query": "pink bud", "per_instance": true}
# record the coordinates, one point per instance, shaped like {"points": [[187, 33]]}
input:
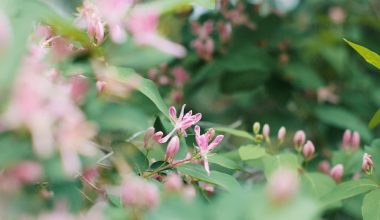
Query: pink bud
{"points": [[324, 166], [355, 141], [282, 185], [299, 139], [346, 140], [157, 136], [101, 86], [173, 112], [308, 150], [148, 136], [151, 195], [367, 164], [281, 134], [117, 34], [26, 171], [209, 188], [173, 183], [337, 172], [172, 148], [266, 131], [79, 86]]}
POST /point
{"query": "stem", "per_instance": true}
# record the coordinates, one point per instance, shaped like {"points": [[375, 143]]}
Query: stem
{"points": [[171, 165]]}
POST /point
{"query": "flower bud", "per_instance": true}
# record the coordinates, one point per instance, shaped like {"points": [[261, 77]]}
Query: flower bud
{"points": [[26, 171], [100, 86], [281, 134], [308, 150], [367, 164], [324, 166], [189, 192], [355, 141], [172, 148], [148, 136], [337, 172], [256, 127], [299, 139], [346, 140], [282, 185], [173, 183], [157, 136], [266, 131]]}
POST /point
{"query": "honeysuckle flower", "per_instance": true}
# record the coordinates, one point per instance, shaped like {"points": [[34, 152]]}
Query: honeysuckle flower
{"points": [[183, 122], [204, 145], [180, 75], [172, 148], [308, 150], [281, 134], [89, 18], [337, 172], [282, 185], [367, 164], [101, 86], [143, 26], [355, 141], [327, 94], [203, 44], [224, 30], [299, 139], [266, 131], [346, 139]]}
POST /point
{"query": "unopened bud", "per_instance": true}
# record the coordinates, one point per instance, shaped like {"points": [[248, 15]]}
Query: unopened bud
{"points": [[172, 148], [346, 139], [101, 86], [173, 183], [266, 131], [282, 185], [337, 172], [367, 164], [256, 127], [324, 166], [281, 134], [299, 139], [355, 141], [157, 136], [148, 137], [308, 150]]}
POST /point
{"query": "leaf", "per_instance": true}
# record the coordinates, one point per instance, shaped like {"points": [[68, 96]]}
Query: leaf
{"points": [[371, 206], [223, 161], [317, 184], [251, 152], [148, 88], [271, 163], [349, 189], [344, 119], [369, 56], [235, 132], [375, 120], [221, 179]]}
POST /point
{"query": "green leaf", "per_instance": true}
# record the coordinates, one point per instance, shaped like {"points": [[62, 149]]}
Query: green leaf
{"points": [[317, 184], [235, 132], [223, 161], [369, 56], [221, 179], [351, 160], [272, 163], [349, 189], [344, 119], [251, 152], [375, 120], [371, 206]]}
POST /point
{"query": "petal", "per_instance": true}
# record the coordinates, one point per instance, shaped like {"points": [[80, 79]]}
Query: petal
{"points": [[216, 142], [166, 138], [173, 113], [205, 164], [182, 112], [197, 118], [197, 130]]}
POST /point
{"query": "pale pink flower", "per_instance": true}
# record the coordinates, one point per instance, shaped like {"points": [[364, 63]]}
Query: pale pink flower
{"points": [[183, 122], [337, 14], [180, 75], [189, 192], [283, 184], [26, 171], [203, 31], [173, 183], [204, 47], [79, 87], [308, 150], [224, 30], [327, 93], [355, 141], [89, 18], [266, 131], [101, 86], [299, 139], [143, 25], [204, 146], [324, 166], [172, 148], [281, 134], [346, 139], [337, 172], [367, 164]]}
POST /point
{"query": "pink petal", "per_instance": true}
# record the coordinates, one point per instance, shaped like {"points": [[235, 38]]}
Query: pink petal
{"points": [[216, 141], [173, 113]]}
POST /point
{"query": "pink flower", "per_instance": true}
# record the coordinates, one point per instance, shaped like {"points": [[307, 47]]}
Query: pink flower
{"points": [[224, 30], [266, 130], [337, 14], [337, 172], [282, 185], [173, 183], [355, 141], [324, 166], [308, 150], [183, 122], [180, 75], [143, 25], [204, 146], [367, 164], [26, 171], [89, 18], [172, 148], [281, 134], [101, 86], [299, 139], [79, 87], [346, 140]]}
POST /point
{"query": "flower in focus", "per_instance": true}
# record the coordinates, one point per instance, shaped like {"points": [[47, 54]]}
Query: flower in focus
{"points": [[204, 146], [367, 164], [282, 185], [183, 122]]}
